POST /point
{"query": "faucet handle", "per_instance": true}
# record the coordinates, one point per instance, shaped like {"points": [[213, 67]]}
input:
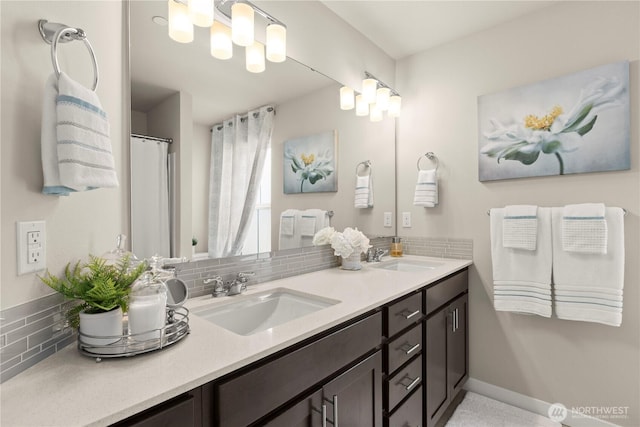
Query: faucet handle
{"points": [[243, 277]]}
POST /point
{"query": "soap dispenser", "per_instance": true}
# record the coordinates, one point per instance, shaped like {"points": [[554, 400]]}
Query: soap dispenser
{"points": [[396, 247], [147, 306]]}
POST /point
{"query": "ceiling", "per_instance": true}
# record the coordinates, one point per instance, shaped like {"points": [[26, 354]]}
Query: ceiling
{"points": [[402, 28]]}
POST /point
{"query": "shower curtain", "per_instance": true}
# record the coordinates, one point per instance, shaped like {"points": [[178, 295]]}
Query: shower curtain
{"points": [[238, 150], [149, 198]]}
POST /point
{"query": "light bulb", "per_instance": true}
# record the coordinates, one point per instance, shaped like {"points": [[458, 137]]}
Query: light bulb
{"points": [[201, 12], [362, 106], [375, 113], [276, 43], [346, 98], [242, 24], [180, 26], [221, 46], [382, 98], [369, 87], [255, 57], [395, 104]]}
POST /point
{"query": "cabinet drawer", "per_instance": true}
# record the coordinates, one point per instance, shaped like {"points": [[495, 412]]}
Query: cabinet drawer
{"points": [[404, 382], [446, 290], [403, 348], [248, 397], [403, 313], [410, 413], [178, 412]]}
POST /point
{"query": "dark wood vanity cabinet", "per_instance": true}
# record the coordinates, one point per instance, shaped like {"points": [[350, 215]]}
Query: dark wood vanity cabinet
{"points": [[400, 365]]}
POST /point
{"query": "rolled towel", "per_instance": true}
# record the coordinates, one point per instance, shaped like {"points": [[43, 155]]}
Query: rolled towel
{"points": [[426, 193], [584, 228], [364, 192], [520, 227], [85, 160]]}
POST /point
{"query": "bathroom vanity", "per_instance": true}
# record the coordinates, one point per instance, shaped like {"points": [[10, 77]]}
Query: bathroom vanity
{"points": [[391, 351]]}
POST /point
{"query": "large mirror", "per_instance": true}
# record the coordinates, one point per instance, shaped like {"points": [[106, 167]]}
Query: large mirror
{"points": [[180, 91]]}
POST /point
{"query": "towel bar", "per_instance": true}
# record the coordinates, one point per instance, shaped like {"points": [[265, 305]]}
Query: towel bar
{"points": [[53, 33], [624, 212], [429, 156], [366, 164]]}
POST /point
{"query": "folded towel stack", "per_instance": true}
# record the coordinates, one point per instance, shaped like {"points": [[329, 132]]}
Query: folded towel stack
{"points": [[76, 150], [522, 278], [426, 193], [584, 228], [588, 286], [364, 192], [520, 227]]}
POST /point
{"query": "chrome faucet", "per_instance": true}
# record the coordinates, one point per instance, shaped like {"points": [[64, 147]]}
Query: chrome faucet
{"points": [[375, 255], [219, 290], [239, 284]]}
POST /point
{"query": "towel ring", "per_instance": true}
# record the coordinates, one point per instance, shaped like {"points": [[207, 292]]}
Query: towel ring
{"points": [[429, 156], [366, 164], [54, 33]]}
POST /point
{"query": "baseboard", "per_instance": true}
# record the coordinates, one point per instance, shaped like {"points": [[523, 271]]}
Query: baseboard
{"points": [[540, 407]]}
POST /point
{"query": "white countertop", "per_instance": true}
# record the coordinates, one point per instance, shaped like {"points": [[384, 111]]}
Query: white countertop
{"points": [[69, 389]]}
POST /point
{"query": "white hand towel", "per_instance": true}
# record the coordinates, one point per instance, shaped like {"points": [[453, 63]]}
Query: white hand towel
{"points": [[289, 236], [522, 279], [48, 141], [308, 225], [520, 227], [364, 192], [426, 193], [584, 228], [85, 160], [287, 225], [588, 287]]}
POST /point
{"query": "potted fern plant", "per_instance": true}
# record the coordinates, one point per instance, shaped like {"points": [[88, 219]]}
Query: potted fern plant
{"points": [[102, 289]]}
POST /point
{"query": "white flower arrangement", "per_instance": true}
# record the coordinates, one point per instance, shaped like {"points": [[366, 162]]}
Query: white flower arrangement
{"points": [[345, 243]]}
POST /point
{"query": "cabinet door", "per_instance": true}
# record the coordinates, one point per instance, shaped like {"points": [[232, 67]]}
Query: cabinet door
{"points": [[305, 413], [457, 346], [354, 399], [182, 411], [435, 351]]}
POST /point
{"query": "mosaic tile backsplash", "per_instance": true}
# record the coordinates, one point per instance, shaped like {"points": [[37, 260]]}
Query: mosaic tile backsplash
{"points": [[32, 331]]}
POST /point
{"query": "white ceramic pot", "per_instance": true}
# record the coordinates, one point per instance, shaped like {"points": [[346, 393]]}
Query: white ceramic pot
{"points": [[106, 324], [352, 262]]}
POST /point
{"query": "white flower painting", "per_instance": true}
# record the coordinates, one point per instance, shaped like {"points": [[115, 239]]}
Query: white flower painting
{"points": [[572, 124], [310, 164]]}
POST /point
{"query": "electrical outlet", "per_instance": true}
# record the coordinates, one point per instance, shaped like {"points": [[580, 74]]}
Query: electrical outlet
{"points": [[387, 219], [406, 219], [31, 254]]}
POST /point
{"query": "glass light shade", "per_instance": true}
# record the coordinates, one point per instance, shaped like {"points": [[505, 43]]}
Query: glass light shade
{"points": [[369, 87], [255, 57], [362, 106], [395, 104], [375, 113], [242, 24], [180, 26], [221, 46], [276, 43], [347, 99], [382, 98], [201, 12]]}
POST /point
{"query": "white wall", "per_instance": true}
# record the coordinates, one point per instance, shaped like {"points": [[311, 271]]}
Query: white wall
{"points": [[200, 184], [81, 223], [574, 363], [358, 140]]}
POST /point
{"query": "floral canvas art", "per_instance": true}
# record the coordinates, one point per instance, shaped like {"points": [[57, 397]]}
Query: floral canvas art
{"points": [[572, 124], [310, 164]]}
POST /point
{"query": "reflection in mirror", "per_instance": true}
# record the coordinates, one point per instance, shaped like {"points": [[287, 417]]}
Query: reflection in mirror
{"points": [[179, 91]]}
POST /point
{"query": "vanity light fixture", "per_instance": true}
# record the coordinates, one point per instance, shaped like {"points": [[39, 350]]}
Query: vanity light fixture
{"points": [[347, 98], [376, 98], [184, 14]]}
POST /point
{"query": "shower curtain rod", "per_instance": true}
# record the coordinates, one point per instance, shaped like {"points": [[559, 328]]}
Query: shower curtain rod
{"points": [[153, 138], [242, 118]]}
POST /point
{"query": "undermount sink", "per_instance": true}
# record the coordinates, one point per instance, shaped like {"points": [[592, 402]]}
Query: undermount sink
{"points": [[250, 314], [408, 265]]}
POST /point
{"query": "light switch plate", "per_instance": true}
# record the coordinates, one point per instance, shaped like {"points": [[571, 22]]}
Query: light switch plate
{"points": [[388, 217], [31, 247], [406, 219]]}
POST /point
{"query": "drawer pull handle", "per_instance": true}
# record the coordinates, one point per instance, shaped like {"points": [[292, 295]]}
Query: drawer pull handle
{"points": [[410, 315], [412, 349], [335, 410], [324, 415], [412, 384]]}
